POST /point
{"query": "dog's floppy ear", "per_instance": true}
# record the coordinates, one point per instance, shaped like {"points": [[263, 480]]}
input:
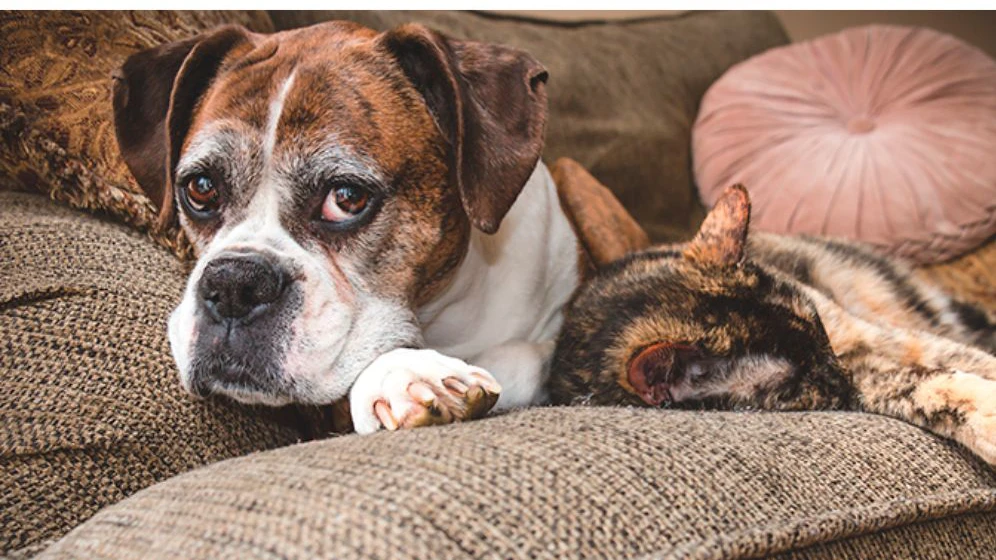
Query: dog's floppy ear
{"points": [[490, 103], [155, 93]]}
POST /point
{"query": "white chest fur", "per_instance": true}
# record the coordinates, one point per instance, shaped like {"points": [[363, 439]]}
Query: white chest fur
{"points": [[509, 290]]}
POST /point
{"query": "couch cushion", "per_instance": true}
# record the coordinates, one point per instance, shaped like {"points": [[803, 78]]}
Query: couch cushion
{"points": [[55, 102], [90, 406], [583, 482], [958, 536], [623, 95]]}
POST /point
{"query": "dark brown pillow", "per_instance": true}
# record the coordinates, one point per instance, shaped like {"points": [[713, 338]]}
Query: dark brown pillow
{"points": [[623, 95], [90, 407], [55, 102]]}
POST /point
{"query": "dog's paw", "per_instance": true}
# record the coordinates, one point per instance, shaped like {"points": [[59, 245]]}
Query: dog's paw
{"points": [[407, 388]]}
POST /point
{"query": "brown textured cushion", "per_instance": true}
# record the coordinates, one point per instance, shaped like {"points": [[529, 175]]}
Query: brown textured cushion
{"points": [[90, 407], [55, 102], [623, 95], [585, 482], [959, 536]]}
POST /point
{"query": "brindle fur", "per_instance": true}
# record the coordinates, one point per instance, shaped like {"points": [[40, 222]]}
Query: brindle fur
{"points": [[778, 323], [442, 134]]}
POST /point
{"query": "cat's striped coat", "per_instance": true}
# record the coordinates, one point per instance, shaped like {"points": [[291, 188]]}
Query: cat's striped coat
{"points": [[731, 320]]}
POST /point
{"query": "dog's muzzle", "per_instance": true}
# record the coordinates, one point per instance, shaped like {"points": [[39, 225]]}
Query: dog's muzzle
{"points": [[244, 301]]}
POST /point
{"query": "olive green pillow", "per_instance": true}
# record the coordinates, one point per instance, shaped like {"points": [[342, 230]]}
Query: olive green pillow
{"points": [[623, 95]]}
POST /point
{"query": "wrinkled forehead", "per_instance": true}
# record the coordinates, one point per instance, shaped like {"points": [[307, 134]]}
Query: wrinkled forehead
{"points": [[321, 96]]}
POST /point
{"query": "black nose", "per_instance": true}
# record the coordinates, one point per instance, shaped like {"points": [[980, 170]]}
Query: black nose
{"points": [[240, 286]]}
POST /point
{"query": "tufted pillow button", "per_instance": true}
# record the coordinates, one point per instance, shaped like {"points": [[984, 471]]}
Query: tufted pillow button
{"points": [[860, 125]]}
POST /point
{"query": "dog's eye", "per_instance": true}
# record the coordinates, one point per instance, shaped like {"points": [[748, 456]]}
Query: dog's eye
{"points": [[345, 202], [202, 195]]}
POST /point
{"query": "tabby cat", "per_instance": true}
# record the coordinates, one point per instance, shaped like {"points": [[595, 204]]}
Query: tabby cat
{"points": [[772, 322]]}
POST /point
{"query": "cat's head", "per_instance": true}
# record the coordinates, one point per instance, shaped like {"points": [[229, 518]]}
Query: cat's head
{"points": [[688, 322]]}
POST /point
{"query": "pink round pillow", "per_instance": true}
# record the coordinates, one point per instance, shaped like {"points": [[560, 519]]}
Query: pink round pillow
{"points": [[882, 134]]}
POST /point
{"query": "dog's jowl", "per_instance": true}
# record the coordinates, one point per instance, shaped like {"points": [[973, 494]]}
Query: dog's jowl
{"points": [[369, 213]]}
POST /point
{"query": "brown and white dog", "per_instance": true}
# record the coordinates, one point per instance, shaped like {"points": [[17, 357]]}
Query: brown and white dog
{"points": [[369, 212]]}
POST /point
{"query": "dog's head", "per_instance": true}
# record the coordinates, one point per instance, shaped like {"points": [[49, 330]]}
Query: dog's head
{"points": [[329, 178]]}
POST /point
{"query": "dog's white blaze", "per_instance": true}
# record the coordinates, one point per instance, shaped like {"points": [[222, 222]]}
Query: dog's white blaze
{"points": [[263, 214], [261, 225], [273, 118]]}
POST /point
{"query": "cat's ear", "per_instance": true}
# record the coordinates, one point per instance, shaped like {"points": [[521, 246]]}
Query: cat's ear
{"points": [[723, 235], [654, 368]]}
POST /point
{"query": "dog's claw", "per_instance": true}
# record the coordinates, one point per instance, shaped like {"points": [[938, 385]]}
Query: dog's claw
{"points": [[422, 393], [454, 384], [479, 401], [383, 412], [487, 382]]}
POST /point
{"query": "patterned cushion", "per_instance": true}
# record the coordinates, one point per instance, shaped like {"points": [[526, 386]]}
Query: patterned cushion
{"points": [[55, 102], [882, 134]]}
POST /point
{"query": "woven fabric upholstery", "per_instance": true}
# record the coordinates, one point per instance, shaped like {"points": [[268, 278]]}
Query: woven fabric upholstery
{"points": [[960, 536], [90, 407], [583, 482]]}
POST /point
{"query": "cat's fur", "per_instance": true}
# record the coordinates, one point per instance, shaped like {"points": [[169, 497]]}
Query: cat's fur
{"points": [[778, 323]]}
